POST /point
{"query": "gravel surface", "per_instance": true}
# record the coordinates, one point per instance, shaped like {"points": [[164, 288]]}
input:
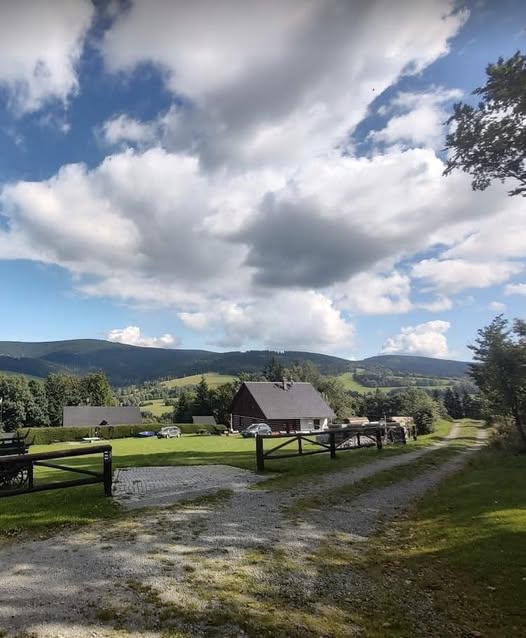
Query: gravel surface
{"points": [[82, 583]]}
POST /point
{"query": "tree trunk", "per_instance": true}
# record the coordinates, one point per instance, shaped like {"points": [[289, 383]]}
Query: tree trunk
{"points": [[517, 416]]}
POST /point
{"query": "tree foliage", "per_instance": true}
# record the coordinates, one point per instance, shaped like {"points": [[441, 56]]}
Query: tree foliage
{"points": [[488, 141], [500, 369]]}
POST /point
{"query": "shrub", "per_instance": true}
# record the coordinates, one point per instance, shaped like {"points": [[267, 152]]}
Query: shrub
{"points": [[42, 436]]}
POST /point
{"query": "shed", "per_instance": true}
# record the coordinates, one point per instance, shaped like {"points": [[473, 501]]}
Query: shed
{"points": [[285, 406], [204, 420], [93, 415]]}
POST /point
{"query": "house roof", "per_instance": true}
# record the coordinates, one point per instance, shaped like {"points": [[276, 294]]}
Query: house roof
{"points": [[91, 415], [298, 401], [204, 420]]}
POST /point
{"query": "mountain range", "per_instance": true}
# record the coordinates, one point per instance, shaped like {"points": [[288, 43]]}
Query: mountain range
{"points": [[126, 364]]}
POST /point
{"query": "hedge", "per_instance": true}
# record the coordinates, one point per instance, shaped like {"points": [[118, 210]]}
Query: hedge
{"points": [[40, 436]]}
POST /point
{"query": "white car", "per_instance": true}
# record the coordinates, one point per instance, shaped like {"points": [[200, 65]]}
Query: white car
{"points": [[256, 428], [169, 432]]}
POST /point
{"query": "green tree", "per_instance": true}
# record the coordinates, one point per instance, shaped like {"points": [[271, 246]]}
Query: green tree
{"points": [[500, 369], [37, 407], [489, 141], [274, 370], [202, 404], [183, 410], [336, 396], [95, 389], [61, 390], [15, 395], [221, 399], [423, 408]]}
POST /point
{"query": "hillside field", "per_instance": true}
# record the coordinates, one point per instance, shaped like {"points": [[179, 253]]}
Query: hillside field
{"points": [[213, 379], [156, 407]]}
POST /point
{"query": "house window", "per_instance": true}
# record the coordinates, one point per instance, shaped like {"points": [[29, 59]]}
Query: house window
{"points": [[316, 421]]}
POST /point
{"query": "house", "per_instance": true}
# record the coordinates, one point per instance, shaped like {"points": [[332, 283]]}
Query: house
{"points": [[403, 420], [285, 406], [93, 415], [204, 420]]}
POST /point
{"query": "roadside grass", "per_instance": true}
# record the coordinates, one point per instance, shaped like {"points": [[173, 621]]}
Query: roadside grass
{"points": [[461, 551], [43, 511], [212, 378]]}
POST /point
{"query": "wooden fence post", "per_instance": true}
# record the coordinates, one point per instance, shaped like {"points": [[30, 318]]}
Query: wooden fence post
{"points": [[260, 460], [379, 443], [107, 472], [332, 443], [300, 448]]}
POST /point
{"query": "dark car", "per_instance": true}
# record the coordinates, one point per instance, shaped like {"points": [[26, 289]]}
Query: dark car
{"points": [[256, 428]]}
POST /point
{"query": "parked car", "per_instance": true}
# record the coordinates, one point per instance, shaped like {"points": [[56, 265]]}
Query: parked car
{"points": [[169, 432], [256, 428]]}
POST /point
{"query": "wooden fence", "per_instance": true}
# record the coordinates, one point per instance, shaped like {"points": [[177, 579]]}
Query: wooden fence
{"points": [[330, 441], [17, 472]]}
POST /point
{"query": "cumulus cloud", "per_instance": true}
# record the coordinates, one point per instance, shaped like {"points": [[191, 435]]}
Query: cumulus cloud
{"points": [[236, 206], [418, 118], [276, 81], [132, 336], [453, 275], [515, 289], [128, 130], [373, 294], [290, 320], [498, 306], [40, 46], [426, 339]]}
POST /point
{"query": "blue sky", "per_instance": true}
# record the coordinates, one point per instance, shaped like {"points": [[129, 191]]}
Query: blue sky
{"points": [[233, 175]]}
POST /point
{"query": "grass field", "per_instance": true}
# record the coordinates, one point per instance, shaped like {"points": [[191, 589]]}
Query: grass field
{"points": [[464, 545], [349, 382], [156, 407], [86, 504], [212, 378]]}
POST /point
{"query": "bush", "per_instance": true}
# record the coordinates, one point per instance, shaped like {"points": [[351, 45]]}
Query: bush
{"points": [[504, 434], [42, 436]]}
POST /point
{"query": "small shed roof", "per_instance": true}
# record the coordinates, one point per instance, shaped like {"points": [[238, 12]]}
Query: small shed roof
{"points": [[289, 400], [91, 415], [204, 420]]}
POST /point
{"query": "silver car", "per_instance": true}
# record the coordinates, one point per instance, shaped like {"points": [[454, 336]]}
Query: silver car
{"points": [[169, 432]]}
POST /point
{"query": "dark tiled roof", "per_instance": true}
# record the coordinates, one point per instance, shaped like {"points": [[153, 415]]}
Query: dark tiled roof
{"points": [[298, 401], [91, 415], [204, 420]]}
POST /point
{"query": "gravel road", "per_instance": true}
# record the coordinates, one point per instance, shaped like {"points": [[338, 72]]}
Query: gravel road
{"points": [[62, 586]]}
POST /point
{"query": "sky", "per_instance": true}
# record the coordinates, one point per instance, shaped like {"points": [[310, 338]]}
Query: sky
{"points": [[233, 175]]}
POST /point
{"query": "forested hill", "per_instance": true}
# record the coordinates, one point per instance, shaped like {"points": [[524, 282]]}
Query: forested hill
{"points": [[418, 365], [124, 364]]}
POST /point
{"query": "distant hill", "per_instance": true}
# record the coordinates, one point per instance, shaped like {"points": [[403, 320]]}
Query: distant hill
{"points": [[418, 365], [124, 364]]}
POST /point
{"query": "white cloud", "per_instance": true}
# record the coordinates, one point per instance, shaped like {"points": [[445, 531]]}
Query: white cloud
{"points": [[125, 129], [515, 289], [426, 339], [418, 120], [133, 337], [453, 275], [368, 293], [40, 46], [277, 81], [498, 306]]}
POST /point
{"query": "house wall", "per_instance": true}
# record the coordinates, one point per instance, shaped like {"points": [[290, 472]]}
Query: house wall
{"points": [[309, 424]]}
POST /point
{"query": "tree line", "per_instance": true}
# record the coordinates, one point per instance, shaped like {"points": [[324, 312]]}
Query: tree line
{"points": [[34, 403]]}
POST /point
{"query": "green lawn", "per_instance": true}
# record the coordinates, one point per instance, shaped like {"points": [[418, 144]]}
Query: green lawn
{"points": [[156, 407], [213, 379], [82, 505]]}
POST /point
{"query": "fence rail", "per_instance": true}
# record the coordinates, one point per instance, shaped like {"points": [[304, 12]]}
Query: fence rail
{"points": [[331, 441], [17, 472]]}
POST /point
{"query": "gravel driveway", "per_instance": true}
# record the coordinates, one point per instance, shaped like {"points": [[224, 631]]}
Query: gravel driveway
{"points": [[84, 583]]}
